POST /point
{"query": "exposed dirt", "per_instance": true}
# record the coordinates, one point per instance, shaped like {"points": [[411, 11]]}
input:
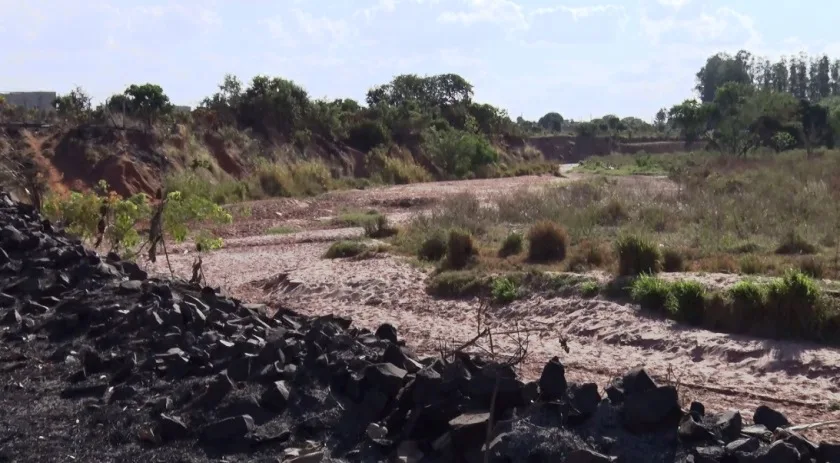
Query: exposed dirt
{"points": [[604, 338]]}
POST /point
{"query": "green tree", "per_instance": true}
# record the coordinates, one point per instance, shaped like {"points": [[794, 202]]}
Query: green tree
{"points": [[720, 69], [74, 106], [147, 102], [690, 117], [823, 85], [274, 106], [552, 122], [781, 76], [661, 120]]}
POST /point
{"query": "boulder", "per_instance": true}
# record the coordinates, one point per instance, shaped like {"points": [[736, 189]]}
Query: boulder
{"points": [[651, 410], [553, 380], [226, 429], [770, 418]]}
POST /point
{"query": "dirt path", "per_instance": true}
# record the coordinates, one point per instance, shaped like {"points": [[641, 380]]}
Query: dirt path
{"points": [[605, 338]]}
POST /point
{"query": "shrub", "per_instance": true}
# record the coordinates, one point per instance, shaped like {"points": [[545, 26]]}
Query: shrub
{"points": [[752, 265], [672, 261], [590, 254], [691, 299], [457, 152], [718, 312], [399, 172], [511, 246], [748, 301], [342, 249], [653, 293], [812, 266], [455, 284], [793, 306], [637, 256], [367, 134], [433, 248], [460, 249], [379, 227], [357, 218], [589, 289], [547, 241], [504, 290], [795, 243], [611, 214], [296, 179]]}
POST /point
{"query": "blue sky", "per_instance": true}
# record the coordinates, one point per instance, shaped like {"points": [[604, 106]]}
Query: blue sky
{"points": [[580, 58]]}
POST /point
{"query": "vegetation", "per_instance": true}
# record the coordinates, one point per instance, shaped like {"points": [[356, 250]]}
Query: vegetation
{"points": [[460, 249], [547, 241], [637, 256], [433, 248], [504, 290], [343, 249], [511, 246]]}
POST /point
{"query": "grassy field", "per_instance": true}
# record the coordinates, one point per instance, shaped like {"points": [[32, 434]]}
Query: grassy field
{"points": [[773, 215]]}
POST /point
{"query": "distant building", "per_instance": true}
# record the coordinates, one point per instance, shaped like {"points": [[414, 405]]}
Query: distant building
{"points": [[31, 100]]}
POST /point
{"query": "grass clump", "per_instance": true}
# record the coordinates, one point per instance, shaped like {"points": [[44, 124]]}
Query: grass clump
{"points": [[795, 243], [456, 284], [637, 256], [460, 249], [793, 307], [590, 288], [394, 171], [752, 265], [748, 301], [433, 248], [305, 178], [343, 249], [613, 213], [691, 300], [589, 255], [547, 241], [504, 290], [654, 294], [673, 261], [812, 266], [356, 218], [511, 246], [379, 227], [281, 230]]}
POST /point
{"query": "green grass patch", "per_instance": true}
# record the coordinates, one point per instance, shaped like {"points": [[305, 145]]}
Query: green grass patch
{"points": [[344, 249], [281, 230]]}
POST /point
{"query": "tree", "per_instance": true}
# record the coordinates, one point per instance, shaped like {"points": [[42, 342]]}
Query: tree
{"points": [[823, 78], [690, 117], [274, 105], [781, 77], [720, 69], [661, 120], [147, 102], [75, 106], [552, 122]]}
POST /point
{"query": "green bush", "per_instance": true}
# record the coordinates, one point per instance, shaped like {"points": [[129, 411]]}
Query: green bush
{"points": [[691, 300], [547, 241], [793, 306], [504, 290], [433, 248], [511, 246], [590, 288], [367, 134], [653, 293], [456, 284], [457, 152], [637, 256], [297, 179], [751, 265], [748, 301], [379, 227], [460, 249], [672, 261], [342, 249]]}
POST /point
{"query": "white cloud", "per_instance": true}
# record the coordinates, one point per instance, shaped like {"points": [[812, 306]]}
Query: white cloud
{"points": [[581, 12], [324, 28], [675, 4], [725, 26], [492, 11]]}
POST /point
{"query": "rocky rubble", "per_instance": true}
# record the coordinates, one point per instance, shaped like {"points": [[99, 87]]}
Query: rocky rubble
{"points": [[98, 362]]}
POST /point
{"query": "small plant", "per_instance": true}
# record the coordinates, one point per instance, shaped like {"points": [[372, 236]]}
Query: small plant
{"points": [[672, 261], [433, 248], [795, 243], [590, 288], [547, 241], [281, 230], [691, 299], [343, 249], [590, 254], [511, 246], [356, 218], [793, 306], [613, 213], [812, 266], [504, 290], [752, 265], [460, 249], [748, 301], [378, 227], [456, 284], [653, 293], [637, 256]]}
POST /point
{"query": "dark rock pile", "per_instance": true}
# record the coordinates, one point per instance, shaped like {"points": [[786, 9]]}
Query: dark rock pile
{"points": [[100, 363]]}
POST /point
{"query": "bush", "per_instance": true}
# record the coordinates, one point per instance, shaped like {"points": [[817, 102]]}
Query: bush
{"points": [[504, 290], [748, 301], [812, 266], [793, 307], [398, 172], [547, 241], [342, 249], [297, 179], [589, 289], [357, 218], [367, 134], [460, 249], [637, 256], [613, 213], [457, 152], [691, 299], [455, 284], [752, 265], [433, 248], [795, 243], [378, 227], [672, 261], [588, 255], [511, 246], [653, 293]]}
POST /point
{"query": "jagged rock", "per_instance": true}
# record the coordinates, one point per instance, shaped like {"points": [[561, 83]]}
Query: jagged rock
{"points": [[708, 454], [468, 432], [122, 392], [384, 377], [227, 429], [172, 428], [697, 410], [778, 452], [651, 409], [585, 398], [553, 380], [691, 430], [805, 447], [387, 332], [828, 453], [729, 424], [216, 391], [6, 300], [770, 418], [276, 397], [747, 445]]}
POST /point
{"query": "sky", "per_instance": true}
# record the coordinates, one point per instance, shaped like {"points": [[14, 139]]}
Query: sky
{"points": [[580, 58]]}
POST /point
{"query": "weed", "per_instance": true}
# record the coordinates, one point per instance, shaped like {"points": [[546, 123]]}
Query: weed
{"points": [[672, 260], [456, 284], [613, 213], [637, 256], [281, 230], [547, 241], [590, 288], [748, 301], [460, 249], [342, 249], [793, 307], [590, 254], [504, 290], [691, 299], [511, 246], [653, 293], [433, 248], [356, 218], [795, 243], [752, 265]]}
